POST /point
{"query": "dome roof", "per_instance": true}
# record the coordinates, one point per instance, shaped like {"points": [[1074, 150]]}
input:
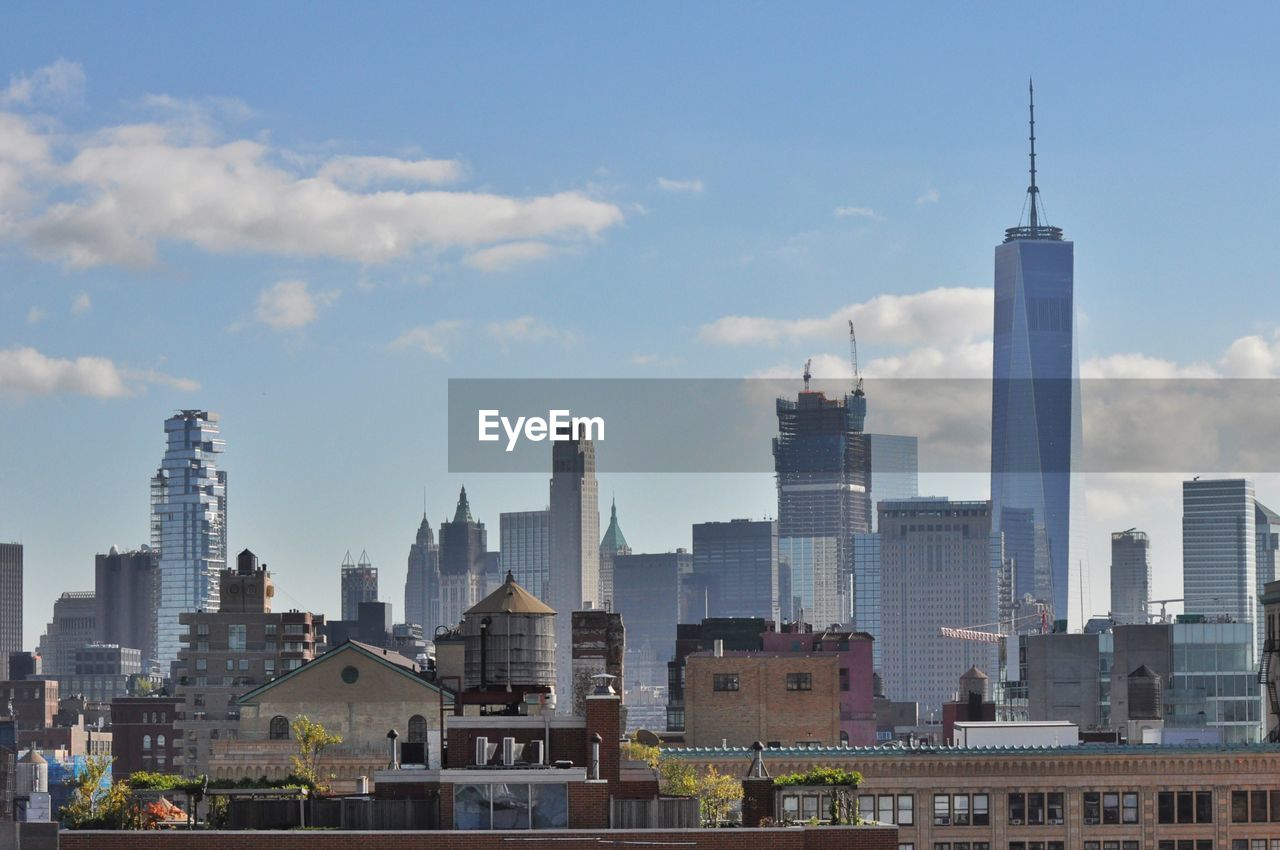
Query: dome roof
{"points": [[510, 598]]}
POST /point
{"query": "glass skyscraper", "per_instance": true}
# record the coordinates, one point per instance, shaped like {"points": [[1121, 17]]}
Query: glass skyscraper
{"points": [[1035, 413], [188, 524], [1219, 549], [526, 549]]}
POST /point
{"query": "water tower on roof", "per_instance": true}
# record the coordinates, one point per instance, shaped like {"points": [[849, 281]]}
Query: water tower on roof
{"points": [[509, 643]]}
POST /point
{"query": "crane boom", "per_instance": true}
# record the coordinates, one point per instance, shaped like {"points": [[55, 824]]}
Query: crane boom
{"points": [[853, 360]]}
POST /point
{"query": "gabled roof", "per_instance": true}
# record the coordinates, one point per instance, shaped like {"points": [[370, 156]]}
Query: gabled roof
{"points": [[510, 598], [393, 660]]}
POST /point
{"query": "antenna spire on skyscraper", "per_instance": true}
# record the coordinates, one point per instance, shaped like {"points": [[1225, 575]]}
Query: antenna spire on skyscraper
{"points": [[1032, 190], [1036, 228]]}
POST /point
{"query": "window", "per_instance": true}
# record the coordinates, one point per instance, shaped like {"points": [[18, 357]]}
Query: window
{"points": [[1017, 809], [1057, 808], [1258, 809], [799, 681], [146, 742], [202, 664], [231, 664], [844, 679], [1204, 806], [269, 629], [1239, 806], [417, 729], [1110, 808], [906, 810], [981, 810], [279, 730], [960, 810], [236, 637], [1035, 809], [941, 810], [867, 807], [885, 814], [1093, 809], [1129, 807], [724, 682]]}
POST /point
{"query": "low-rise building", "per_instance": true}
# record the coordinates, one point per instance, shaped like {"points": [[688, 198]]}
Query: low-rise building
{"points": [[143, 736]]}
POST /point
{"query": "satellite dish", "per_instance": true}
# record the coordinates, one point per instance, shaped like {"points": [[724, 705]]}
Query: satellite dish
{"points": [[644, 736]]}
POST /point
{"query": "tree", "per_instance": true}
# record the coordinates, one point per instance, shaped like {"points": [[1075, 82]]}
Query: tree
{"points": [[841, 783], [716, 793], [313, 739], [635, 751], [98, 803], [677, 778]]}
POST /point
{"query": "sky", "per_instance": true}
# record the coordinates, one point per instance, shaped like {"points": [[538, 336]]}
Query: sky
{"points": [[308, 217]]}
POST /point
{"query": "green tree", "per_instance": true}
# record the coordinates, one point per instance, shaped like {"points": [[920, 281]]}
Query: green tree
{"points": [[716, 793], [677, 778], [98, 803], [312, 739], [636, 751], [840, 783]]}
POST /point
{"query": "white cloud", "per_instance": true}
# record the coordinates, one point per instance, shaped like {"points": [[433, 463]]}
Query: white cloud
{"points": [[1120, 366], [62, 80], [938, 315], [124, 191], [856, 212], [500, 258], [359, 172], [433, 339], [81, 304], [1252, 357], [26, 372], [36, 315], [643, 359], [528, 329], [930, 196], [290, 304], [693, 185]]}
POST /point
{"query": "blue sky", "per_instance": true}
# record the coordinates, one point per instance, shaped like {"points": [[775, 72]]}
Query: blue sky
{"points": [[191, 196]]}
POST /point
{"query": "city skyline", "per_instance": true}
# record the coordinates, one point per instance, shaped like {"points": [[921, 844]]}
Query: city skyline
{"points": [[859, 203]]}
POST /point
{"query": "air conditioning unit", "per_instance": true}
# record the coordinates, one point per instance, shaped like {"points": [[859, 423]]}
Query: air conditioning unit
{"points": [[482, 751], [1015, 821], [533, 752], [508, 751]]}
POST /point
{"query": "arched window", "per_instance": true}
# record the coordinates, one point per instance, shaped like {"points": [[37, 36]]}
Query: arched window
{"points": [[160, 742], [279, 728], [417, 729], [844, 738], [146, 742]]}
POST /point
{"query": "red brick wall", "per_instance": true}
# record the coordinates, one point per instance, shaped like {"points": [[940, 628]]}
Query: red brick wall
{"points": [[604, 718], [589, 805], [793, 838], [565, 744], [757, 800]]}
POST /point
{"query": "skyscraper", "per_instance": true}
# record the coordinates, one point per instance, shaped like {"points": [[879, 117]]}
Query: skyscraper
{"points": [[188, 524], [10, 602], [1267, 533], [1219, 549], [575, 546], [125, 593], [1130, 576], [739, 559], [1035, 415], [866, 580], [422, 581], [73, 625], [525, 541], [464, 544], [359, 584], [823, 465], [613, 545], [936, 571]]}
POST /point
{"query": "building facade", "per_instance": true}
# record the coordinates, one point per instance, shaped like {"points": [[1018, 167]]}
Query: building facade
{"points": [[739, 560], [526, 549], [188, 524], [422, 581], [126, 592], [895, 469], [74, 624], [1130, 576], [575, 543], [613, 544], [866, 588], [936, 572], [856, 675], [10, 603], [1219, 549], [143, 737], [229, 652]]}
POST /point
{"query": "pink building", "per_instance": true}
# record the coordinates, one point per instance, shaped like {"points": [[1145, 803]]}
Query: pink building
{"points": [[857, 711]]}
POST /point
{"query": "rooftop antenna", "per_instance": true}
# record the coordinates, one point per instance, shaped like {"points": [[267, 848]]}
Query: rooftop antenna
{"points": [[853, 361], [1032, 190], [807, 373]]}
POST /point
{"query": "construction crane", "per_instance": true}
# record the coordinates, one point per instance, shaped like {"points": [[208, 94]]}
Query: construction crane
{"points": [[853, 361], [981, 635], [807, 374], [1164, 607]]}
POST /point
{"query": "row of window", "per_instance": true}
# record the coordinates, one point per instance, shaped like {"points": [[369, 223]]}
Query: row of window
{"points": [[795, 682], [961, 810], [1255, 807]]}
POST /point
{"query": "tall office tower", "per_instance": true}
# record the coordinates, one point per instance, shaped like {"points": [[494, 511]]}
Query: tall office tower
{"points": [[866, 578], [525, 541], [422, 582], [823, 463], [464, 544], [1035, 413], [73, 625], [359, 584], [10, 603], [895, 469], [739, 562], [1267, 534], [1130, 576], [188, 524], [1219, 549], [936, 572], [575, 547], [125, 589], [649, 592], [231, 651], [613, 545]]}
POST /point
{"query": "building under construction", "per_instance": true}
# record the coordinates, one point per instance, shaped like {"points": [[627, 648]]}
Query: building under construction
{"points": [[823, 463]]}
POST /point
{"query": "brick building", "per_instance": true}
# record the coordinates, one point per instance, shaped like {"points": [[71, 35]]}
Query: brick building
{"points": [[31, 702], [143, 735], [740, 697]]}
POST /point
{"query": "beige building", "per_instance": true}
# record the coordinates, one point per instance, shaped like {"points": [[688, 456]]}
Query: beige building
{"points": [[231, 651], [357, 691], [742, 697], [1090, 797]]}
